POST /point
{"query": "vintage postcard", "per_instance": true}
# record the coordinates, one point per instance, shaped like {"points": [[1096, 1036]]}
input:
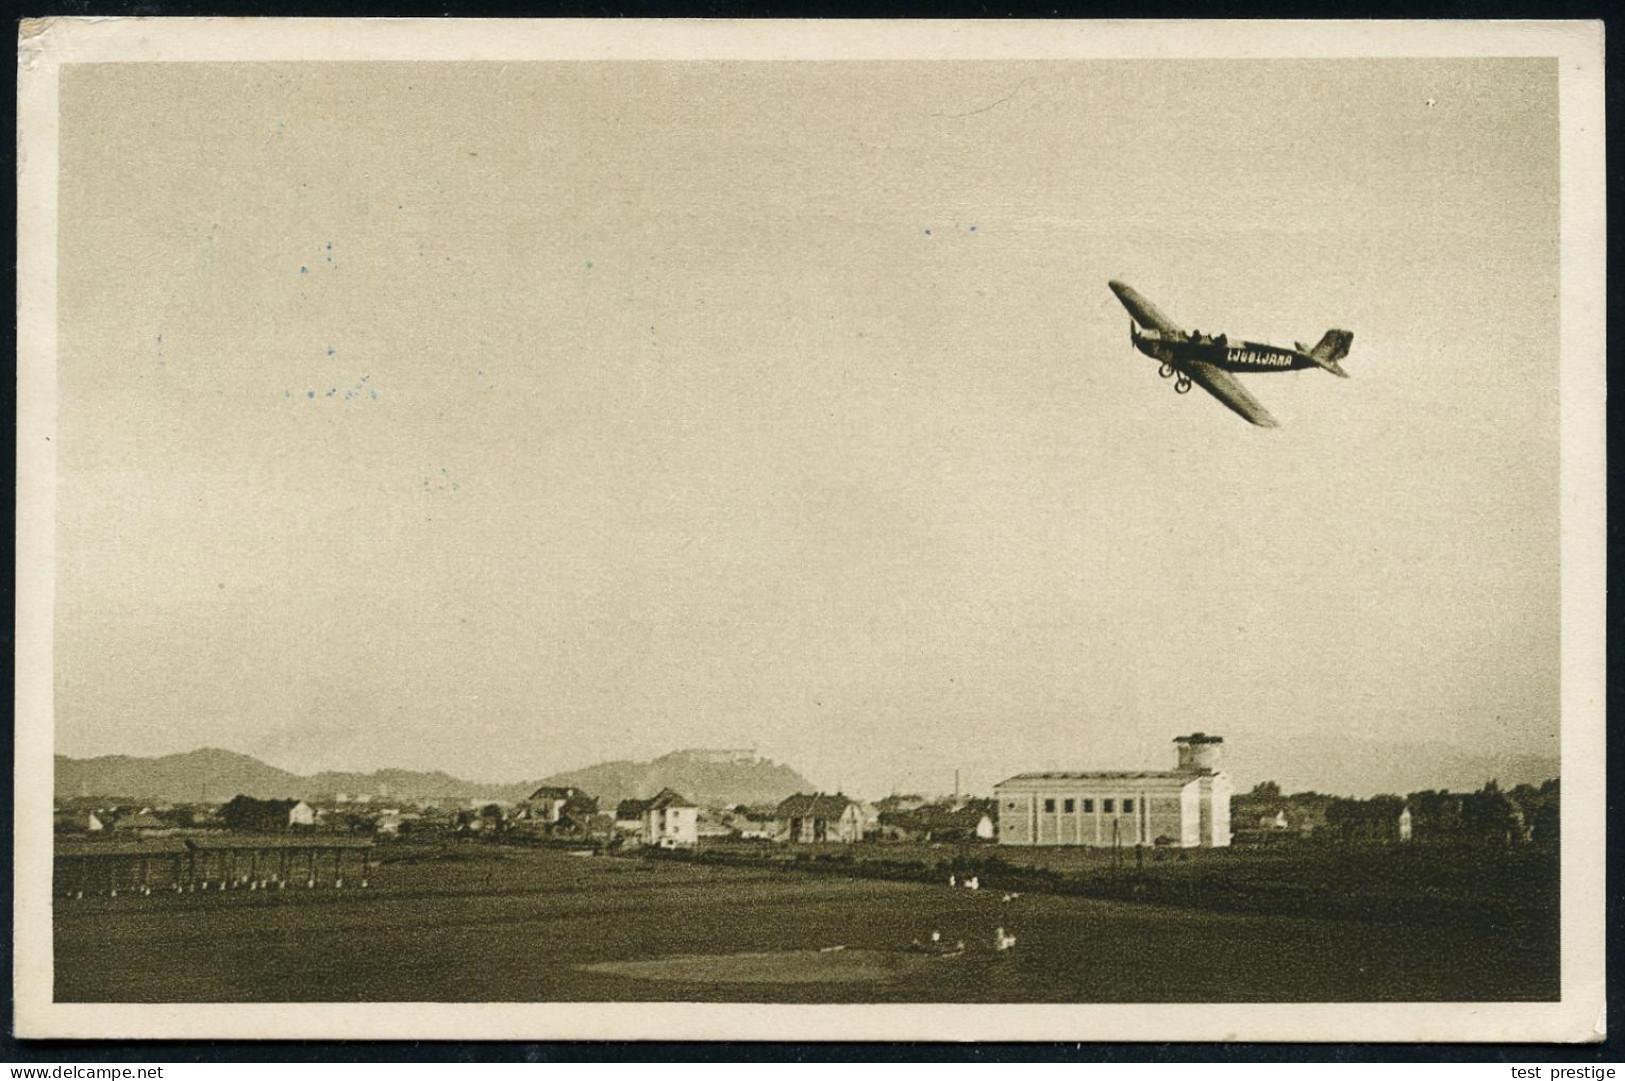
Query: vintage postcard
{"points": [[884, 531]]}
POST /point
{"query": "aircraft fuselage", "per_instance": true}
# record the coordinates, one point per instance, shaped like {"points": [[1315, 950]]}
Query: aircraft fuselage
{"points": [[1231, 356]]}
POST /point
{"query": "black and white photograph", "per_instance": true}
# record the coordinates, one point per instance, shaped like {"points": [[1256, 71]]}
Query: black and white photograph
{"points": [[891, 531]]}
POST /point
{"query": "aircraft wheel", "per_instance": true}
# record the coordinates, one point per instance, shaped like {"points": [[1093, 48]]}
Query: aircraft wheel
{"points": [[1166, 371], [1182, 385]]}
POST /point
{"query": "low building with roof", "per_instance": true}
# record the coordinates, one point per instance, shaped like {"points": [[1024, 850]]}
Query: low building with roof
{"points": [[142, 821], [629, 815], [266, 815], [550, 803], [83, 822], [754, 823], [1187, 806], [819, 817], [939, 823]]}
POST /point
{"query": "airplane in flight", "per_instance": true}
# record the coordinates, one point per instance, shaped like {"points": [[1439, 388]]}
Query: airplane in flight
{"points": [[1210, 360]]}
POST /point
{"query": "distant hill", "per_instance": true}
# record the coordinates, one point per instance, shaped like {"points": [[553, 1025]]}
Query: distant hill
{"points": [[196, 776], [709, 777], [213, 775]]}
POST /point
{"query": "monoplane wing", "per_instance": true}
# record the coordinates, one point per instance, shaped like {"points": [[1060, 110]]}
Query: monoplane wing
{"points": [[1228, 389], [1143, 311]]}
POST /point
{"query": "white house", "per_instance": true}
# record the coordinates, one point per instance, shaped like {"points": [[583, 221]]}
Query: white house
{"points": [[670, 821], [985, 829], [1187, 806], [301, 814]]}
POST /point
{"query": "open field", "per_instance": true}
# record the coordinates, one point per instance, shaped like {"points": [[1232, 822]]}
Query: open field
{"points": [[478, 923], [1513, 890]]}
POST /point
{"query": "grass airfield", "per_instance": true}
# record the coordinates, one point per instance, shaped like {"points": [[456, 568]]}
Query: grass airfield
{"points": [[479, 923]]}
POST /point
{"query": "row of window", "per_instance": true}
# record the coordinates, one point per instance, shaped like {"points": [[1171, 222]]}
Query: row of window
{"points": [[1071, 806]]}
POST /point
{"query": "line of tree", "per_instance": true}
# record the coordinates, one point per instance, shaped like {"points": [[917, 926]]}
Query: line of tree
{"points": [[1526, 813]]}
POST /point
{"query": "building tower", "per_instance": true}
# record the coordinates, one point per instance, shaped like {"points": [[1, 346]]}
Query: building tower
{"points": [[1200, 752]]}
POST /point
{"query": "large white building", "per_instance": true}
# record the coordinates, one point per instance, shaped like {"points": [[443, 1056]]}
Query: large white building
{"points": [[1187, 806]]}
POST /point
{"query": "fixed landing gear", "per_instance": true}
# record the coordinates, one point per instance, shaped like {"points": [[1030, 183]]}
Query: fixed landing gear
{"points": [[1182, 385], [1166, 371]]}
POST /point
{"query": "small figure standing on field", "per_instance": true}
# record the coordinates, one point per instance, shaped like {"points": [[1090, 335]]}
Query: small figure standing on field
{"points": [[1002, 941]]}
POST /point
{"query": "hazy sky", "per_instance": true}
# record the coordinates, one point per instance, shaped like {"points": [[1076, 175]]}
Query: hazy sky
{"points": [[508, 418]]}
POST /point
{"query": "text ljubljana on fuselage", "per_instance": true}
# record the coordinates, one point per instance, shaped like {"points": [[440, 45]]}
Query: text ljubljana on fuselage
{"points": [[1261, 358]]}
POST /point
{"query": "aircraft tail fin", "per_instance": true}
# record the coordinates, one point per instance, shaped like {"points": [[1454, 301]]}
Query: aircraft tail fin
{"points": [[1332, 347]]}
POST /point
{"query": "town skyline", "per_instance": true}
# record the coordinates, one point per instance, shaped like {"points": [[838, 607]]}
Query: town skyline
{"points": [[1397, 767]]}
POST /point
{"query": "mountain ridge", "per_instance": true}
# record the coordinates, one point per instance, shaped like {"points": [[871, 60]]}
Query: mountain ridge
{"points": [[211, 774]]}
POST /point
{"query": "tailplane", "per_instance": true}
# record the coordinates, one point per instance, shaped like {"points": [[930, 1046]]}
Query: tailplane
{"points": [[1332, 347]]}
